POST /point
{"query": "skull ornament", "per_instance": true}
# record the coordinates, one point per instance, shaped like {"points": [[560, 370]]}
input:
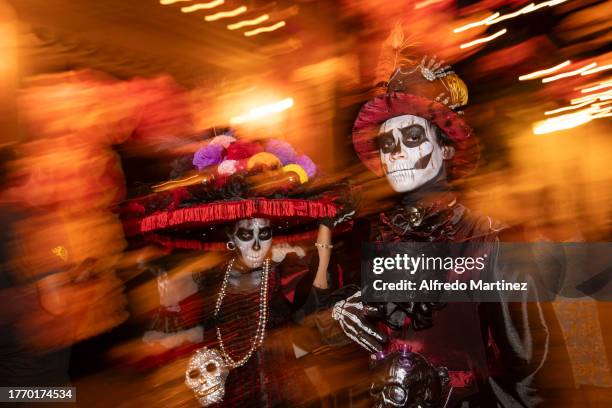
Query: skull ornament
{"points": [[253, 239], [407, 379], [410, 152], [205, 376]]}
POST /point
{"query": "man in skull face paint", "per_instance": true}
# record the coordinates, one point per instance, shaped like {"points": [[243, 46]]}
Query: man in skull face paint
{"points": [[410, 152], [489, 354]]}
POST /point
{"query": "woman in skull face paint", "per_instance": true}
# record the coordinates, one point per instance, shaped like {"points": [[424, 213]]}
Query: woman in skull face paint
{"points": [[239, 312], [253, 239], [245, 308]]}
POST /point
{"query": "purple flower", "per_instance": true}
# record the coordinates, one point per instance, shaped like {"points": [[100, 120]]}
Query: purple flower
{"points": [[208, 156], [283, 150], [307, 164]]}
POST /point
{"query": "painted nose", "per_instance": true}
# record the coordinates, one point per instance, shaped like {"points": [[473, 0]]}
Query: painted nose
{"points": [[256, 246], [397, 152]]}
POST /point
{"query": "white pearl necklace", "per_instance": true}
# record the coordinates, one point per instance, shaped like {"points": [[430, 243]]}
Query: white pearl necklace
{"points": [[263, 311]]}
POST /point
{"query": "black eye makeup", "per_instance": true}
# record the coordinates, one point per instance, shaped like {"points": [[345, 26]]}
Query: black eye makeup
{"points": [[244, 234], [413, 135], [386, 142], [265, 233]]}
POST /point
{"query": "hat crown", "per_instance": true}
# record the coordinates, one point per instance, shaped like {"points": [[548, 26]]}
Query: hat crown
{"points": [[431, 79], [401, 68]]}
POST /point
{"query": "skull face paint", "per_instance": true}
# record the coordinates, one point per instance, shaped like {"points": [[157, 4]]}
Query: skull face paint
{"points": [[410, 153], [253, 239]]}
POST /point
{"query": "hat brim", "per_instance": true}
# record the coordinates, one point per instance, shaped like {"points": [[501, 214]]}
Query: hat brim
{"points": [[387, 106], [218, 245], [193, 217]]}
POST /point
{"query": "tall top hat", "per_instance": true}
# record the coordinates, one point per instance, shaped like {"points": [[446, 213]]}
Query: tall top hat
{"points": [[420, 86]]}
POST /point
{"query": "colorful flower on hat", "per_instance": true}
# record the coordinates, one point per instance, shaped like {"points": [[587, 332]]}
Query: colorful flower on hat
{"points": [[228, 167], [264, 159], [307, 164], [242, 150], [299, 170], [223, 140], [281, 149], [208, 155]]}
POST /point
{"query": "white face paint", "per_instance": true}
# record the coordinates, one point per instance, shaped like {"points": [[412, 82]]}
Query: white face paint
{"points": [[253, 239], [409, 152]]}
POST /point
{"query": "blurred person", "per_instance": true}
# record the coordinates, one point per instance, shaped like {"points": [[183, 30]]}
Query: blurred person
{"points": [[432, 354], [49, 301], [21, 365], [18, 364]]}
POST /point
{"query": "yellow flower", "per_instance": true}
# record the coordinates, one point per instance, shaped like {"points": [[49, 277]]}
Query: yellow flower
{"points": [[299, 170]]}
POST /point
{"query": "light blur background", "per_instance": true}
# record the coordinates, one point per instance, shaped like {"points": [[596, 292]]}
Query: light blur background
{"points": [[99, 96]]}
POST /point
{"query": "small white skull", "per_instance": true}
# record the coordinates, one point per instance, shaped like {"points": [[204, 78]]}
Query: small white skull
{"points": [[410, 152], [205, 376], [253, 239]]}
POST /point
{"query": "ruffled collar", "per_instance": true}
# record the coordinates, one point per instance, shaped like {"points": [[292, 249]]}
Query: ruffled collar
{"points": [[433, 217]]}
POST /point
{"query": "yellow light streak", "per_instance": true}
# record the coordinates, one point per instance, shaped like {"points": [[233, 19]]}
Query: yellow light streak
{"points": [[603, 115], [566, 108], [598, 105], [598, 69], [426, 3], [563, 122], [599, 111], [517, 13], [570, 73], [544, 72], [202, 6], [592, 98], [602, 85], [267, 29], [246, 23], [168, 2], [570, 120], [476, 23], [484, 39], [226, 14], [263, 110], [496, 18]]}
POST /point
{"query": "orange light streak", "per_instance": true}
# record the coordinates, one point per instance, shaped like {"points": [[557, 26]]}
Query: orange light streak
{"points": [[496, 18], [602, 85], [263, 110], [563, 122], [267, 29], [566, 108], [544, 72], [484, 39], [168, 2], [570, 73], [202, 6], [601, 96], [476, 23], [226, 14], [517, 13], [598, 69], [426, 3], [246, 23]]}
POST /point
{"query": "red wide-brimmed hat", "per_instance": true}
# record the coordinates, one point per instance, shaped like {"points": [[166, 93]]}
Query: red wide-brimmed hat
{"points": [[228, 179], [424, 87]]}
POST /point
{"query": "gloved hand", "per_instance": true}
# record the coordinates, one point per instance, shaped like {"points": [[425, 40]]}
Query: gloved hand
{"points": [[354, 318]]}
